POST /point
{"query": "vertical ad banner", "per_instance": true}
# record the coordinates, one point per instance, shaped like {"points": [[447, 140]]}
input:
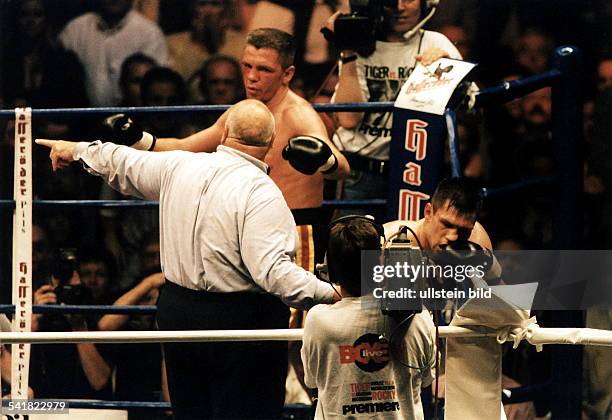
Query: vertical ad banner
{"points": [[419, 136], [22, 251]]}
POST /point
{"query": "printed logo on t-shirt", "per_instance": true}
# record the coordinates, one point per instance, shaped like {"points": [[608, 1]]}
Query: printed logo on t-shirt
{"points": [[372, 397], [370, 352]]}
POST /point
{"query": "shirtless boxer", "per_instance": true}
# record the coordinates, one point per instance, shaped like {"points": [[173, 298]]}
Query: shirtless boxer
{"points": [[267, 68], [450, 216]]}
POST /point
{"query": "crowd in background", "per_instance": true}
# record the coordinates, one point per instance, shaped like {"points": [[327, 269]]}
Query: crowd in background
{"points": [[176, 52]]}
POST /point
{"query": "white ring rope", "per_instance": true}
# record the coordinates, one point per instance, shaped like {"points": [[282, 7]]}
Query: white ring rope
{"points": [[532, 333]]}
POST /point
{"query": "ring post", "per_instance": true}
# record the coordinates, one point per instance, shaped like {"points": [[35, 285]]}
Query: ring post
{"points": [[567, 223]]}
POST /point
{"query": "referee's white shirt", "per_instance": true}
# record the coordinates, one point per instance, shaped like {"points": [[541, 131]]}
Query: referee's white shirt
{"points": [[225, 226]]}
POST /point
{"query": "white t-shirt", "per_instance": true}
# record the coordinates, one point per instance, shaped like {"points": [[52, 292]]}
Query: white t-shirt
{"points": [[381, 77], [102, 51], [347, 356]]}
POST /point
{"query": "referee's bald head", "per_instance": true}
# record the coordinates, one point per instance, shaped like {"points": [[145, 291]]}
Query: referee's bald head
{"points": [[251, 123]]}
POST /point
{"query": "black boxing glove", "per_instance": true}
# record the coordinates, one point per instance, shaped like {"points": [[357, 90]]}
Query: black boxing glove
{"points": [[462, 252], [309, 154], [121, 129]]}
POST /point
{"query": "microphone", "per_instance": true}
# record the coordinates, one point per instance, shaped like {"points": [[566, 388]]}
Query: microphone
{"points": [[419, 25]]}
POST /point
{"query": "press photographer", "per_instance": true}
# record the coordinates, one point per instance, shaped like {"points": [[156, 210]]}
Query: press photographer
{"points": [[375, 72], [67, 370], [63, 287]]}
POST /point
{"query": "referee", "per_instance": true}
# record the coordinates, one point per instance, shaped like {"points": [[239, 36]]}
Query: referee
{"points": [[227, 241]]}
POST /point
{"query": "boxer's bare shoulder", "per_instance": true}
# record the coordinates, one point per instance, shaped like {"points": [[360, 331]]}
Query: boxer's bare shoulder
{"points": [[205, 140]]}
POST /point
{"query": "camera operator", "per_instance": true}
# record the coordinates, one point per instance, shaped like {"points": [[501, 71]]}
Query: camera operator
{"points": [[375, 72], [347, 347], [67, 370]]}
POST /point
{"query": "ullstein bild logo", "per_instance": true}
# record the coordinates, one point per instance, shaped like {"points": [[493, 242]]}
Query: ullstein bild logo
{"points": [[370, 353]]}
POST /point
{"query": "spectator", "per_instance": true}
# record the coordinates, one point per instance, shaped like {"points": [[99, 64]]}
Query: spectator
{"points": [[133, 70], [604, 74], [459, 37], [209, 34], [162, 86], [67, 370], [97, 273], [455, 13], [104, 39], [221, 81], [35, 67], [533, 51]]}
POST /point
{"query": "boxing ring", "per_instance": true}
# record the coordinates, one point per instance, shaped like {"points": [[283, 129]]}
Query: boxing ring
{"points": [[567, 134]]}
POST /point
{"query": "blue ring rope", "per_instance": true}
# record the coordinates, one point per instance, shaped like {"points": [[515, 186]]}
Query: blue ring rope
{"points": [[377, 202], [342, 204], [496, 94]]}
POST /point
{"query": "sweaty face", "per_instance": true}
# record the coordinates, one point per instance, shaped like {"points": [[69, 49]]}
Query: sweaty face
{"points": [[445, 225], [403, 17], [262, 73]]}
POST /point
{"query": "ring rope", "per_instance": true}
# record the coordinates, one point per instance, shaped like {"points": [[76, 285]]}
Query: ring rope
{"points": [[533, 334], [500, 93], [377, 202]]}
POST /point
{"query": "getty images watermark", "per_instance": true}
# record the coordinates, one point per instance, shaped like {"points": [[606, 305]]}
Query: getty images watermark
{"points": [[543, 280]]}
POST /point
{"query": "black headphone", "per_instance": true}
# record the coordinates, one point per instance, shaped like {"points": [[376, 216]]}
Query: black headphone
{"points": [[366, 218], [323, 269]]}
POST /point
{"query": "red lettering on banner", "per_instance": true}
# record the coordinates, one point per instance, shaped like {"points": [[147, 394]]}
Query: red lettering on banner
{"points": [[412, 174], [416, 138], [22, 291], [23, 268], [410, 204]]}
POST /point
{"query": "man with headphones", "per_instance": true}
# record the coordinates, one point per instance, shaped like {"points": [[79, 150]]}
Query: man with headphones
{"points": [[360, 360], [400, 44]]}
